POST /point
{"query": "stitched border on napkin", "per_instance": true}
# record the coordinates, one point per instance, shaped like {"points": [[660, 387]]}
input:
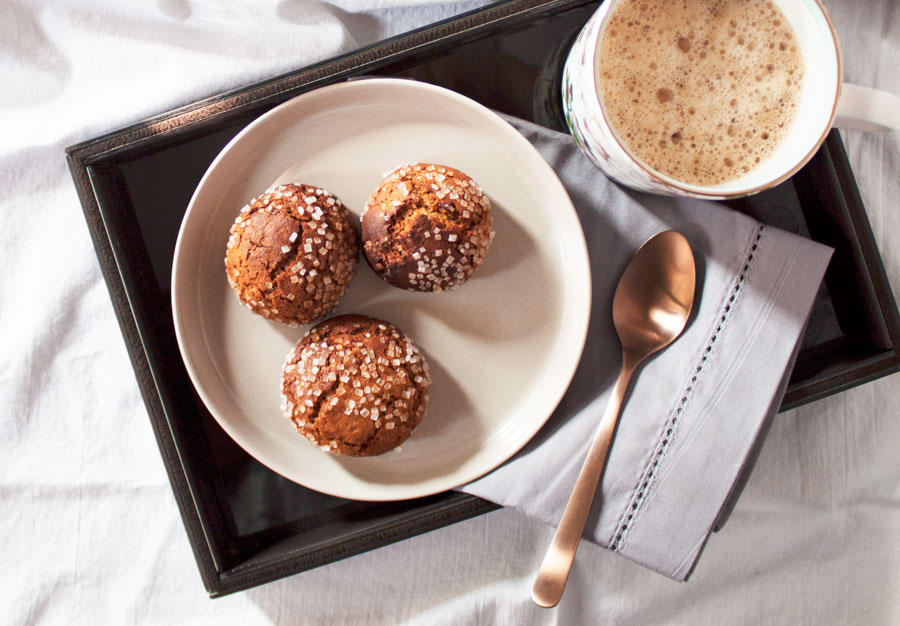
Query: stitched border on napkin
{"points": [[631, 513]]}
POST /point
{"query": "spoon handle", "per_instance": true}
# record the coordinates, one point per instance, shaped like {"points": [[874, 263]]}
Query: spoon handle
{"points": [[551, 579]]}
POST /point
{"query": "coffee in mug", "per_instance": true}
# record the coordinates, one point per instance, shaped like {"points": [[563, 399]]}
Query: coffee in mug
{"points": [[711, 98], [702, 91]]}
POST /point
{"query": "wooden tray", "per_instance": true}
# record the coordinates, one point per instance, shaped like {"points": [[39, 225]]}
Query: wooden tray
{"points": [[247, 525]]}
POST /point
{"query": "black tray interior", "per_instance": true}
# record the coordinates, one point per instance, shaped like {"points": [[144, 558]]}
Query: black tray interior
{"points": [[248, 524]]}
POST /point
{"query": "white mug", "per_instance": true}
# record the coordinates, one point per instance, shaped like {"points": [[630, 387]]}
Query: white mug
{"points": [[823, 102]]}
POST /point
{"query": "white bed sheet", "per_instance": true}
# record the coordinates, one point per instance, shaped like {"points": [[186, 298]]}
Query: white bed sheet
{"points": [[90, 529]]}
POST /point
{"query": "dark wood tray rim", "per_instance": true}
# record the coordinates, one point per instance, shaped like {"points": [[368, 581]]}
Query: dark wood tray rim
{"points": [[253, 100]]}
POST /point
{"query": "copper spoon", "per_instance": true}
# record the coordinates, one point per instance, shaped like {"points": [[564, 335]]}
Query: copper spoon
{"points": [[650, 309]]}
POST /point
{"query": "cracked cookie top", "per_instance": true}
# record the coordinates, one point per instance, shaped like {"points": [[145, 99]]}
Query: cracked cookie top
{"points": [[426, 227], [292, 253], [355, 385]]}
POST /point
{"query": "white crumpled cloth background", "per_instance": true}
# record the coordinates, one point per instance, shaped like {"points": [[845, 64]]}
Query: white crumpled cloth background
{"points": [[90, 529]]}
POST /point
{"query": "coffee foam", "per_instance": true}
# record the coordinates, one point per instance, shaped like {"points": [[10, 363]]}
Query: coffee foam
{"points": [[701, 90]]}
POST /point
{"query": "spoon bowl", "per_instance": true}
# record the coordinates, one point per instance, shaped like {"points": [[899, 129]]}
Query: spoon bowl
{"points": [[654, 296], [651, 306]]}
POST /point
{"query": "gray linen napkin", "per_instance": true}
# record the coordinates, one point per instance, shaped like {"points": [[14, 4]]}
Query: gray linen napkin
{"points": [[696, 411]]}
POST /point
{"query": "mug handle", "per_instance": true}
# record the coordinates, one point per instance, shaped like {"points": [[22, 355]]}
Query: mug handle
{"points": [[864, 108]]}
